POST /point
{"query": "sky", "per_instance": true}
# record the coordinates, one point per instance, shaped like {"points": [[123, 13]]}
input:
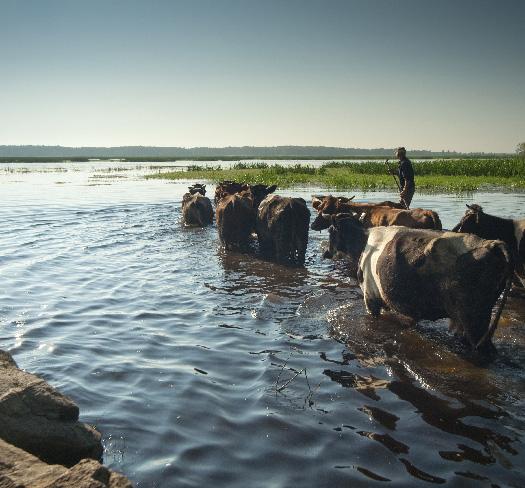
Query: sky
{"points": [[439, 75]]}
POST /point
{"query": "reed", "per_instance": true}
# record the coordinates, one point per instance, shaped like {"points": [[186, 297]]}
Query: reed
{"points": [[464, 175], [502, 167]]}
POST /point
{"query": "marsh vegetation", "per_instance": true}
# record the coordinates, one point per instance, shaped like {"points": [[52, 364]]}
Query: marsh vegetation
{"points": [[449, 175]]}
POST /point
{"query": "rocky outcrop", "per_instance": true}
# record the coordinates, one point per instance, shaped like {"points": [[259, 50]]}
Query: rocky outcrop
{"points": [[19, 469], [37, 418]]}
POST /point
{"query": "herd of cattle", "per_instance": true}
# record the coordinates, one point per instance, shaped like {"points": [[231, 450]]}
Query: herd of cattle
{"points": [[403, 260]]}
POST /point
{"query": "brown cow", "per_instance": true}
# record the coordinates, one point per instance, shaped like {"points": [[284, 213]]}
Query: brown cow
{"points": [[282, 228], [236, 211], [235, 220], [196, 207], [374, 215], [332, 205], [228, 187]]}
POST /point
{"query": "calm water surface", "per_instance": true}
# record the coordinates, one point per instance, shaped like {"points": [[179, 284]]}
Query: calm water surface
{"points": [[203, 368]]}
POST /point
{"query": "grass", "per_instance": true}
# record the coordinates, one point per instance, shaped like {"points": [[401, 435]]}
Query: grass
{"points": [[460, 175]]}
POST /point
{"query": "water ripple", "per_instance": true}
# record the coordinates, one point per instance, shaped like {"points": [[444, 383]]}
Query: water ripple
{"points": [[201, 367]]}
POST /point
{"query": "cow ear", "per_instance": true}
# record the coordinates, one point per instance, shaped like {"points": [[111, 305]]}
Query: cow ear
{"points": [[316, 202], [362, 217], [271, 189]]}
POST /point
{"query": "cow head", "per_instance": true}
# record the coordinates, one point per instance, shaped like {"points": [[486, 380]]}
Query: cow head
{"points": [[471, 220], [260, 192], [228, 187], [197, 188], [329, 204], [347, 235], [322, 221]]}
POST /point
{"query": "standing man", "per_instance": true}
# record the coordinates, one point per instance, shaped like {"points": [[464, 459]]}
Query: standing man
{"points": [[406, 177]]}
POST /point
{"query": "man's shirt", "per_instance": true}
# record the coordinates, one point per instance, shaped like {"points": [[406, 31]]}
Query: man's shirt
{"points": [[406, 173]]}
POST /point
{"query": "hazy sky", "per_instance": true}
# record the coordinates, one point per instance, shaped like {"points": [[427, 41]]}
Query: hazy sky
{"points": [[436, 74]]}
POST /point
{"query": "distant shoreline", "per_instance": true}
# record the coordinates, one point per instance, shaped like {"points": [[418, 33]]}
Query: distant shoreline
{"points": [[94, 159]]}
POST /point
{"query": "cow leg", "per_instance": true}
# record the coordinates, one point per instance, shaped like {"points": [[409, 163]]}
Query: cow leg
{"points": [[265, 246], [373, 305], [301, 245], [456, 327], [473, 324], [301, 256]]}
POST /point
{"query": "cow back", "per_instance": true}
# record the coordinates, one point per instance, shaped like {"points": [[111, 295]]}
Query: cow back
{"points": [[425, 274], [235, 219], [196, 210], [282, 227]]}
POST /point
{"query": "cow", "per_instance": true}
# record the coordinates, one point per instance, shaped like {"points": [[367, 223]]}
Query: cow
{"points": [[235, 216], [428, 274], [282, 228], [260, 192], [374, 215], [235, 220], [332, 205], [228, 187], [196, 207], [510, 231]]}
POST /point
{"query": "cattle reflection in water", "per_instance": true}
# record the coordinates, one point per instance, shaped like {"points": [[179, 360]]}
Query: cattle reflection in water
{"points": [[244, 274], [390, 365]]}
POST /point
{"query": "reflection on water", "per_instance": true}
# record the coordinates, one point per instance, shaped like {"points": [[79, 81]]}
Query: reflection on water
{"points": [[203, 367]]}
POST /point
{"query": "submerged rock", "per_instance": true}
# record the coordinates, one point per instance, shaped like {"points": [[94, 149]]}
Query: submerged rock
{"points": [[22, 470], [36, 417]]}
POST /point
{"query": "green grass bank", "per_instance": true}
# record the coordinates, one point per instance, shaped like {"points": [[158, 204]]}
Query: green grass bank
{"points": [[448, 175]]}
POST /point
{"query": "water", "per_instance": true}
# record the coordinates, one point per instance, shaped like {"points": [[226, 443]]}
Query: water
{"points": [[204, 368]]}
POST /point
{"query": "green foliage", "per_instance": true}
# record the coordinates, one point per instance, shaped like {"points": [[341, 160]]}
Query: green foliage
{"points": [[461, 175], [503, 167]]}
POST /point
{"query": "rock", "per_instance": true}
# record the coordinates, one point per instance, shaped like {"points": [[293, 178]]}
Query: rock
{"points": [[19, 469], [36, 417]]}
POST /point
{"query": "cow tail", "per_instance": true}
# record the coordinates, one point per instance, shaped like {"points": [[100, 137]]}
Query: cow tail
{"points": [[487, 337], [437, 222], [293, 248]]}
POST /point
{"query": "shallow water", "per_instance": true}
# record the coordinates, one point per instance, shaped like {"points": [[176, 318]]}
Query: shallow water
{"points": [[201, 367]]}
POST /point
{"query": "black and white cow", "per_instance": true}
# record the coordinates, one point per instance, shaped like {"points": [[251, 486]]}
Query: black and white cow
{"points": [[427, 274], [511, 232]]}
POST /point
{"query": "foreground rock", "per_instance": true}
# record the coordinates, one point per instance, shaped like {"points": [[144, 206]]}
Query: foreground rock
{"points": [[18, 469], [37, 418]]}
